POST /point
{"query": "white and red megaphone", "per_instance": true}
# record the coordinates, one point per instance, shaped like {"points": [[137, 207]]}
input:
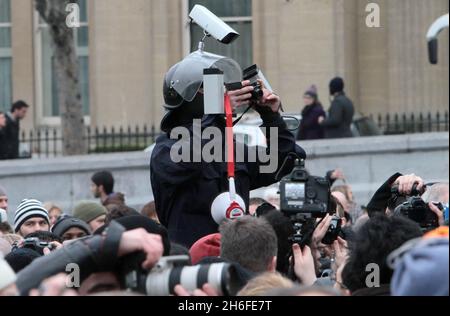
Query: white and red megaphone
{"points": [[228, 205]]}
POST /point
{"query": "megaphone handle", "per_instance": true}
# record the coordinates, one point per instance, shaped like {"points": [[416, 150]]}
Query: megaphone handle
{"points": [[229, 136], [232, 188]]}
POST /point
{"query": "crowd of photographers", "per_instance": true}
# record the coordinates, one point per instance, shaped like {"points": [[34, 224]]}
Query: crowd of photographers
{"points": [[395, 245]]}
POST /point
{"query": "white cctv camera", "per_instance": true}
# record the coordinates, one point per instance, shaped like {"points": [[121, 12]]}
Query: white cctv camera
{"points": [[212, 25]]}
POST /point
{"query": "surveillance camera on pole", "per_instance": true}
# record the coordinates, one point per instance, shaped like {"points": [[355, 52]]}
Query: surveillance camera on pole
{"points": [[212, 26]]}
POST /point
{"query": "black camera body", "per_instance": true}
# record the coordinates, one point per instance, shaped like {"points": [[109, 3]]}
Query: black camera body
{"points": [[251, 74], [334, 231], [418, 211], [301, 193], [35, 244], [304, 198]]}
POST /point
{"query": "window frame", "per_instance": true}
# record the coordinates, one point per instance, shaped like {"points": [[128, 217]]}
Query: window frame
{"points": [[38, 27], [6, 52], [186, 25]]}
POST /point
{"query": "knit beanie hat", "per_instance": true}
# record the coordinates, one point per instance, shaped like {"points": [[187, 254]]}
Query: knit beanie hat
{"points": [[27, 209], [312, 92], [423, 270], [3, 216], [7, 275], [208, 246], [336, 85], [2, 191], [88, 211], [64, 223]]}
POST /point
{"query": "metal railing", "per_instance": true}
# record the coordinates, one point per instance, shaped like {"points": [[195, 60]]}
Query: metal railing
{"points": [[47, 142], [394, 124]]}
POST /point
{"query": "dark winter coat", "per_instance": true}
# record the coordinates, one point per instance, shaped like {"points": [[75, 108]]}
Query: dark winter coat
{"points": [[310, 128], [184, 192], [340, 117], [10, 140]]}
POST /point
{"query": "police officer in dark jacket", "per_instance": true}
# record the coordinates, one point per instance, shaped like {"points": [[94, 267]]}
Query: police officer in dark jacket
{"points": [[10, 145], [184, 191], [340, 116]]}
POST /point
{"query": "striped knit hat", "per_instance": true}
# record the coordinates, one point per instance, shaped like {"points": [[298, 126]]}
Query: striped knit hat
{"points": [[27, 209]]}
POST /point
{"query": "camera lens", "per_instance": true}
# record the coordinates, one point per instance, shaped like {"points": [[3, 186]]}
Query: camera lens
{"points": [[221, 276], [257, 93]]}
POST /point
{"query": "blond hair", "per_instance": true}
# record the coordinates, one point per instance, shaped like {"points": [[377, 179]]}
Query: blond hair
{"points": [[11, 238], [259, 285]]}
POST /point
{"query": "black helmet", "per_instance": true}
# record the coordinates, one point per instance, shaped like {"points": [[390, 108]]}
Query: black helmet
{"points": [[183, 80]]}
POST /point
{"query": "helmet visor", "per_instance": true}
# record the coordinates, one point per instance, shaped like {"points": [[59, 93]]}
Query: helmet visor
{"points": [[187, 78]]}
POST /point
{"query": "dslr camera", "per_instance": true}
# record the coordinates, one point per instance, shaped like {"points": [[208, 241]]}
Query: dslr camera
{"points": [[417, 209], [304, 198], [252, 74], [301, 193], [171, 271]]}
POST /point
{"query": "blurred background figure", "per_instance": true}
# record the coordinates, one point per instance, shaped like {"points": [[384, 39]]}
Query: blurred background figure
{"points": [[340, 116], [149, 210], [272, 196], [310, 128], [11, 130], [3, 199], [54, 212]]}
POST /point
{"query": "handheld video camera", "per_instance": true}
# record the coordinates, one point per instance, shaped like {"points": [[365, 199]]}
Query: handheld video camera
{"points": [[171, 271]]}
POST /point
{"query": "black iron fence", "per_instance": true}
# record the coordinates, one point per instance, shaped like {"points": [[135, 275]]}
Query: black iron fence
{"points": [[396, 124], [47, 142]]}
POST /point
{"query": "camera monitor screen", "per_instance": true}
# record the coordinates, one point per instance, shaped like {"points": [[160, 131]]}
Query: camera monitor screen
{"points": [[295, 194]]}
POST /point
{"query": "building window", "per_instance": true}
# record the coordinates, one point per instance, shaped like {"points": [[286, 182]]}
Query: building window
{"points": [[49, 84], [237, 14], [5, 56]]}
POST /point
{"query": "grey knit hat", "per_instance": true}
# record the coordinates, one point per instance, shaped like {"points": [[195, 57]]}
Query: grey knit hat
{"points": [[64, 223], [423, 270], [88, 211]]}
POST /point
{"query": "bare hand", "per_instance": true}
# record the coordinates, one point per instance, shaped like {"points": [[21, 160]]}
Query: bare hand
{"points": [[54, 286], [340, 248], [438, 212], [337, 174], [320, 120], [406, 183], [139, 240], [242, 96], [304, 265], [56, 246], [269, 99], [321, 231], [207, 290]]}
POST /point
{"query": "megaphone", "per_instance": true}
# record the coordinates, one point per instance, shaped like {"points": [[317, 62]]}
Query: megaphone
{"points": [[228, 205]]}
